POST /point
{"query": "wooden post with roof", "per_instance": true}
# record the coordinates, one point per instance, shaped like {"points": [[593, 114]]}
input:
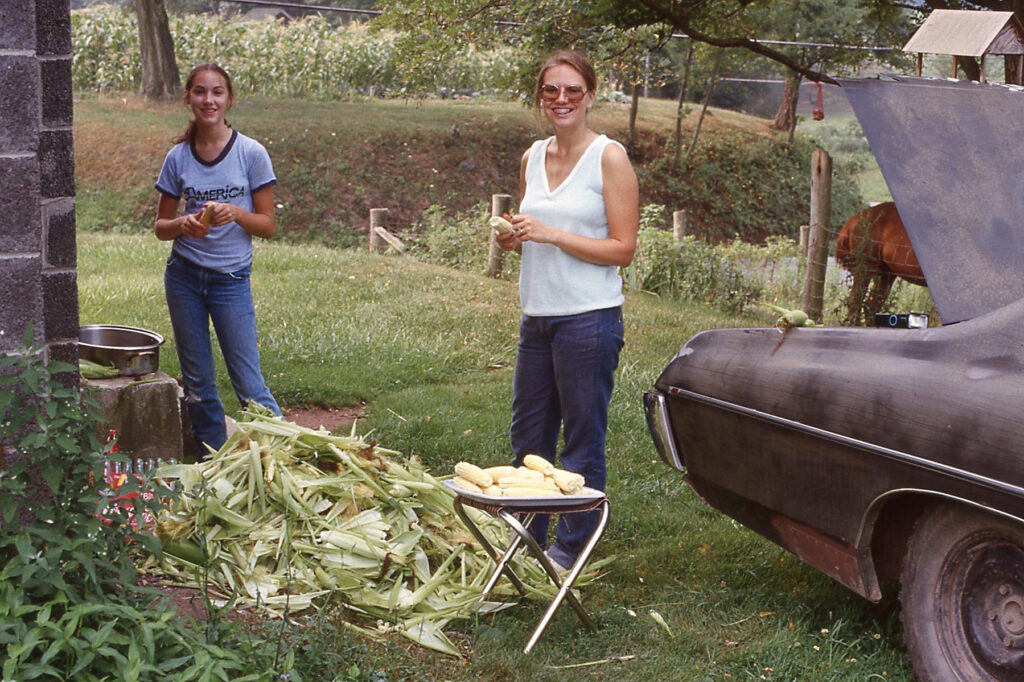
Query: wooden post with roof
{"points": [[968, 33]]}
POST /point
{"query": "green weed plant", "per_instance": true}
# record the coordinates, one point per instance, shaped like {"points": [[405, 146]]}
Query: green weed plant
{"points": [[729, 276], [71, 607], [461, 241]]}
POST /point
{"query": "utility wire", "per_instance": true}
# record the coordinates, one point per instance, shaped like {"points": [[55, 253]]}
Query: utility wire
{"points": [[299, 5]]}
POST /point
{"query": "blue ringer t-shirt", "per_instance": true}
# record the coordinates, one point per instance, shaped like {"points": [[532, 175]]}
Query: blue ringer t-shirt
{"points": [[242, 168]]}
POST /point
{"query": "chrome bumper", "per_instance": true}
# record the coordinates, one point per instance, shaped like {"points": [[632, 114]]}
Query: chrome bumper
{"points": [[660, 426]]}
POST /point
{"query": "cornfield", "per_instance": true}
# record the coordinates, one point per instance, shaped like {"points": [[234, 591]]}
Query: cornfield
{"points": [[306, 58]]}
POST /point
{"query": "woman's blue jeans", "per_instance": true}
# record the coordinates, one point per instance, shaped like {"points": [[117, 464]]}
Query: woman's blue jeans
{"points": [[195, 296], [565, 369]]}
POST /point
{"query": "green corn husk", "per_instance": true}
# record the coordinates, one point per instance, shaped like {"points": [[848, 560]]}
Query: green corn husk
{"points": [[287, 517], [94, 370]]}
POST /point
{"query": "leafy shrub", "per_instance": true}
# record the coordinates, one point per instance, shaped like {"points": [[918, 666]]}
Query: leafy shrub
{"points": [[743, 185], [461, 241], [655, 266], [70, 605], [730, 276]]}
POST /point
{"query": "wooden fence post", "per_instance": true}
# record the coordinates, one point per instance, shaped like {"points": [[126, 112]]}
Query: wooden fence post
{"points": [[678, 225], [820, 230], [378, 218], [500, 203]]}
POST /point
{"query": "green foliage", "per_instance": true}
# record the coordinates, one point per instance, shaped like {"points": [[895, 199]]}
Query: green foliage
{"points": [[70, 606], [461, 241], [730, 276], [745, 185], [310, 58], [844, 22], [433, 32], [104, 51]]}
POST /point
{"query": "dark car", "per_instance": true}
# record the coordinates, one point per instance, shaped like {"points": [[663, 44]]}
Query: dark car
{"points": [[878, 454]]}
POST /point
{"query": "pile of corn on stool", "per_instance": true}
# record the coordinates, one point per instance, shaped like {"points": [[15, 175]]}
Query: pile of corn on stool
{"points": [[515, 495]]}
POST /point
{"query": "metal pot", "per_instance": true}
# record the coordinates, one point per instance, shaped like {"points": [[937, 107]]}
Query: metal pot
{"points": [[132, 350]]}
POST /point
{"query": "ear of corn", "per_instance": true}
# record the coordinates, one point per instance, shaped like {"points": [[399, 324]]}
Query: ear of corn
{"points": [[521, 476], [791, 318], [94, 370], [207, 215], [499, 471], [529, 474], [467, 484], [568, 482], [500, 224], [472, 472], [526, 490], [537, 478], [538, 463]]}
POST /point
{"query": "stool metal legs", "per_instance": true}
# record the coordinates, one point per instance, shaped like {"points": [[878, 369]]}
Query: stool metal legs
{"points": [[522, 535], [502, 561]]}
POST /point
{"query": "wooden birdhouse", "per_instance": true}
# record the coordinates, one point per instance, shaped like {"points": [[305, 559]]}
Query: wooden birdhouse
{"points": [[966, 33]]}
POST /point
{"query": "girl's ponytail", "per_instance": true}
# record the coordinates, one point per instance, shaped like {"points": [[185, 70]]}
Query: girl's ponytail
{"points": [[188, 136]]}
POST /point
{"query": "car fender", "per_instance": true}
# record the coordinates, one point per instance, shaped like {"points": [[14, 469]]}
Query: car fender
{"points": [[886, 526]]}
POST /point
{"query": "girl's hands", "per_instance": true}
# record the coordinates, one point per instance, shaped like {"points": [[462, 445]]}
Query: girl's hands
{"points": [[192, 226], [221, 213]]}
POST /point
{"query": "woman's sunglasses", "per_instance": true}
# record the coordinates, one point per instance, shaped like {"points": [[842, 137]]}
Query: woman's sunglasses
{"points": [[573, 93]]}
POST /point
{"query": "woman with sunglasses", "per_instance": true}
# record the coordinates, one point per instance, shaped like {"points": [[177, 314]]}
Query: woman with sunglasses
{"points": [[578, 220]]}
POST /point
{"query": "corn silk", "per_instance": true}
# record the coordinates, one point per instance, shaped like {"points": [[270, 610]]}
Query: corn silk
{"points": [[287, 519]]}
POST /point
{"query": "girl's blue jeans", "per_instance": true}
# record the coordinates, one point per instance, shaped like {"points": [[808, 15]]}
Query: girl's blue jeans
{"points": [[565, 369], [195, 296]]}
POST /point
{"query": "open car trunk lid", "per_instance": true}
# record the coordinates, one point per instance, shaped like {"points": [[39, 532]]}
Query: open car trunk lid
{"points": [[949, 151]]}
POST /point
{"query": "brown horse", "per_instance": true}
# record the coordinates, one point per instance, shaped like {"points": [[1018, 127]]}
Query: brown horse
{"points": [[873, 245]]}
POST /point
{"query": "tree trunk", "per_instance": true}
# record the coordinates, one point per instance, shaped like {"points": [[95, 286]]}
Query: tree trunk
{"points": [[707, 101], [681, 109], [159, 68], [1011, 66], [634, 106], [785, 117], [970, 67]]}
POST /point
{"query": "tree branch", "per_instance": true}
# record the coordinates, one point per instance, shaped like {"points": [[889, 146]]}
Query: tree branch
{"points": [[681, 23]]}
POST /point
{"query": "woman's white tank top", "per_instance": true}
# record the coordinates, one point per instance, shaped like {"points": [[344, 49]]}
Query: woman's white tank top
{"points": [[552, 282]]}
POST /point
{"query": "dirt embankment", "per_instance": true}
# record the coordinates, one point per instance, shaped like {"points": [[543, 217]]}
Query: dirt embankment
{"points": [[336, 161]]}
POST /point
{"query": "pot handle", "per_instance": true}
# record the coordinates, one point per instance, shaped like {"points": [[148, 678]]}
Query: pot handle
{"points": [[146, 354]]}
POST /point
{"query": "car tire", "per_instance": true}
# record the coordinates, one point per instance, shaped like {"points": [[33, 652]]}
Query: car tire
{"points": [[962, 596]]}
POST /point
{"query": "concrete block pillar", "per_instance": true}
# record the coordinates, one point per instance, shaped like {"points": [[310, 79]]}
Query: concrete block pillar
{"points": [[38, 282]]}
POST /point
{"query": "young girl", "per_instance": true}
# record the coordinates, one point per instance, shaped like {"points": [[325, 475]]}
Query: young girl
{"points": [[578, 221], [216, 168]]}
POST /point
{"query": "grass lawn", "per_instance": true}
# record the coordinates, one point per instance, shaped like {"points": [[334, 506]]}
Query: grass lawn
{"points": [[429, 350]]}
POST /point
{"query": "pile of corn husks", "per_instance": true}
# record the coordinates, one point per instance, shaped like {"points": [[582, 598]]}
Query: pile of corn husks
{"points": [[283, 515]]}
